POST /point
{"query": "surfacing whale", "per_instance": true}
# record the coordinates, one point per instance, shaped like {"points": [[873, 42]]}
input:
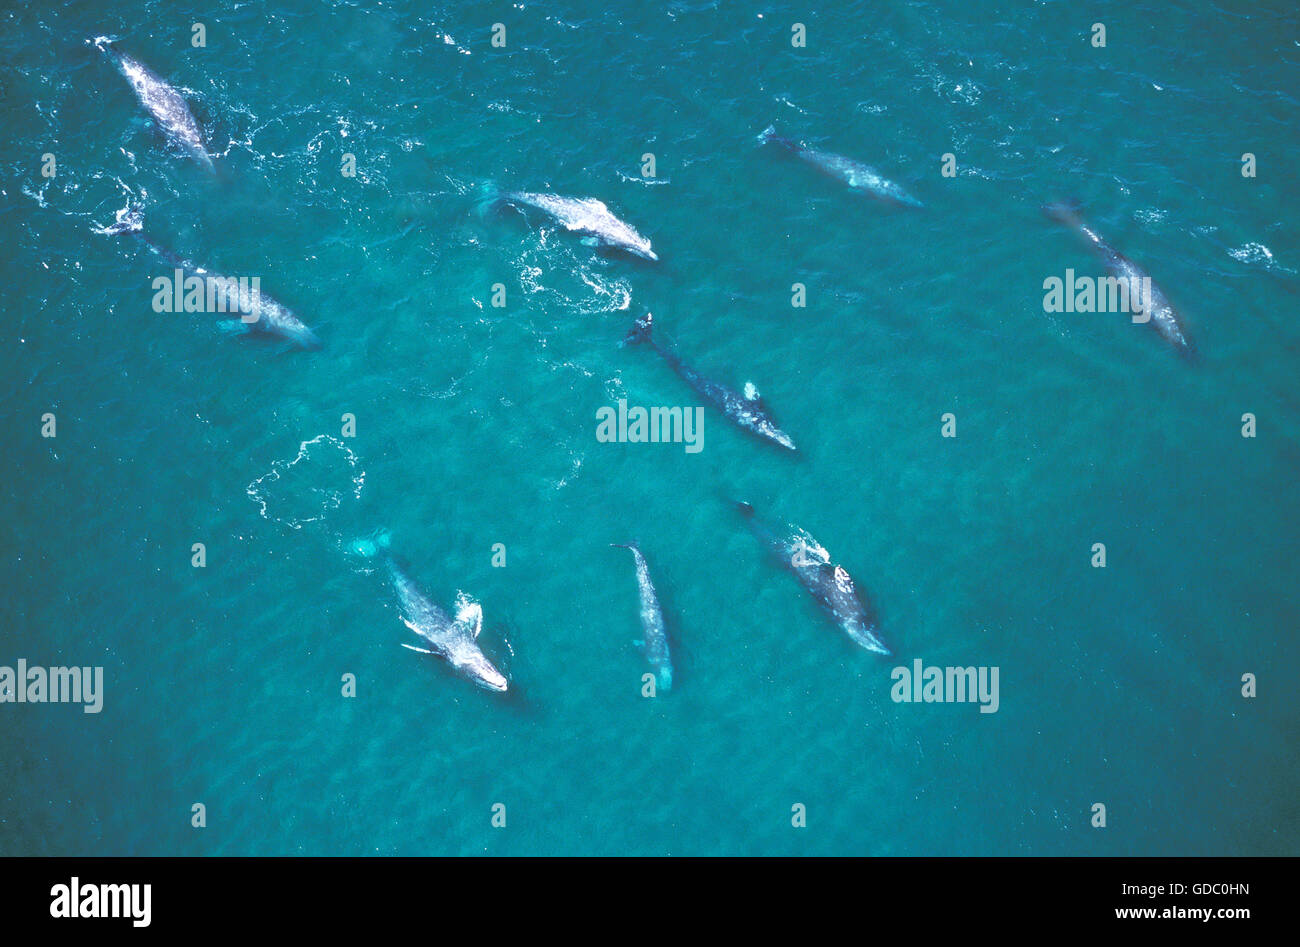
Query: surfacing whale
{"points": [[829, 584], [747, 410], [586, 216], [165, 104], [1153, 307], [233, 297], [454, 639], [654, 640], [858, 176]]}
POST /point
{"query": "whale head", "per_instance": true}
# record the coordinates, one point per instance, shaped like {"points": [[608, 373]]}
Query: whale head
{"points": [[306, 339], [867, 636], [468, 659], [484, 674]]}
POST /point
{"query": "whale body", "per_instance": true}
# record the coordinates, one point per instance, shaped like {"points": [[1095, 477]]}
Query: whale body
{"points": [[1152, 307], [233, 297], [654, 643], [856, 175], [745, 409], [586, 216], [829, 584], [165, 104], [452, 638]]}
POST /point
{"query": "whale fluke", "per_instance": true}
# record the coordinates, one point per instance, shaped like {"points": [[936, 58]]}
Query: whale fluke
{"points": [[640, 331], [1065, 212], [370, 547], [130, 219], [769, 136]]}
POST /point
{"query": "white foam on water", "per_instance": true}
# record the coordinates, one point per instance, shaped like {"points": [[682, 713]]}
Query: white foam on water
{"points": [[317, 500]]}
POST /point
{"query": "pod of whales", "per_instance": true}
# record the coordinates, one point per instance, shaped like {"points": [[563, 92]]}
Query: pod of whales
{"points": [[454, 636], [165, 104]]}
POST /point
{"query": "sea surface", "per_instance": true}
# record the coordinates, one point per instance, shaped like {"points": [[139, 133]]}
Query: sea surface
{"points": [[475, 426]]}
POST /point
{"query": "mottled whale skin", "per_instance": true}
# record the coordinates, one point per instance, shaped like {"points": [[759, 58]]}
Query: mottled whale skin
{"points": [[654, 642], [586, 216], [746, 409], [455, 640], [165, 104], [269, 316], [1157, 310], [858, 176], [829, 584]]}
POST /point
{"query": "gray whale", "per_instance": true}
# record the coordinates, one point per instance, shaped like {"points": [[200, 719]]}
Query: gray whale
{"points": [[587, 216], [654, 642], [165, 104], [454, 639], [1154, 308], [747, 410], [858, 176], [830, 585]]}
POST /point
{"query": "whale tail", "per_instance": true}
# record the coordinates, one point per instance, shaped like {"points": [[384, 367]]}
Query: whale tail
{"points": [[372, 546], [106, 45], [640, 331], [769, 136], [1065, 212], [130, 219], [488, 199]]}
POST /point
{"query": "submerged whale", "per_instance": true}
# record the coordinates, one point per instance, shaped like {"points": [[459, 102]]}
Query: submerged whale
{"points": [[747, 410], [586, 216], [654, 642], [232, 297], [1152, 306], [858, 176], [453, 639], [829, 584], [165, 104]]}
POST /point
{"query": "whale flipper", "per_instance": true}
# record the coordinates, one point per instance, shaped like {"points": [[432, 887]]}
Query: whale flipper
{"points": [[470, 618], [421, 650], [1065, 212]]}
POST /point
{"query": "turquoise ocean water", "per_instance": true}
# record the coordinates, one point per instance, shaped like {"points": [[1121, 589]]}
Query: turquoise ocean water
{"points": [[475, 426]]}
